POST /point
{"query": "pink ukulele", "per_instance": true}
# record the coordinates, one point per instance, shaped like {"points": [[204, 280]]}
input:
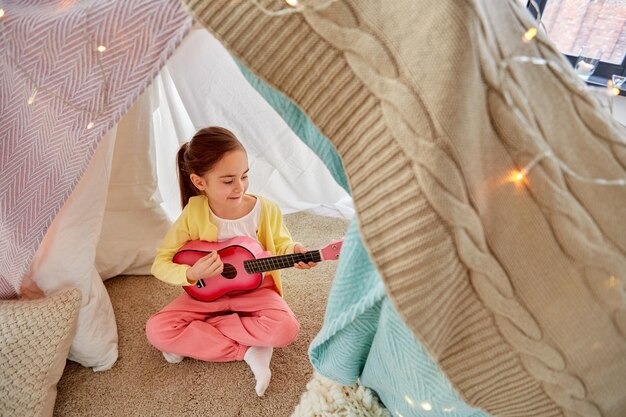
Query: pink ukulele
{"points": [[244, 263]]}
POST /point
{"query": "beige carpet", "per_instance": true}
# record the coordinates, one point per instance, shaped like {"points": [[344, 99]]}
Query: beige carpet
{"points": [[142, 383]]}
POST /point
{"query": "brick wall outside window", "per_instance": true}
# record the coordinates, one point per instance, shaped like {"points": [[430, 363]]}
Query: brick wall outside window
{"points": [[594, 24]]}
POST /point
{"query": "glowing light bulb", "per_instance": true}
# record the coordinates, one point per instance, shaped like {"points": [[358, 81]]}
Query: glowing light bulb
{"points": [[612, 282], [426, 406], [292, 3], [530, 34], [31, 99], [101, 48], [409, 400], [611, 90], [518, 176], [1, 13], [90, 125]]}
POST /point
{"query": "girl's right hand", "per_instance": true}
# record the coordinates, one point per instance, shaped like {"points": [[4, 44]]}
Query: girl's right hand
{"points": [[206, 267]]}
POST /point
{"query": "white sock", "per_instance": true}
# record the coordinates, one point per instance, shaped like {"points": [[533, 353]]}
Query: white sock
{"points": [[258, 359], [172, 358]]}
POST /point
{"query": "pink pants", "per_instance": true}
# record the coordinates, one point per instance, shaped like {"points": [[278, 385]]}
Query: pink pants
{"points": [[222, 330]]}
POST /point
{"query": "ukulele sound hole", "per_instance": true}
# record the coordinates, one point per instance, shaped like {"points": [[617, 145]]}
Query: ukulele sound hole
{"points": [[229, 271]]}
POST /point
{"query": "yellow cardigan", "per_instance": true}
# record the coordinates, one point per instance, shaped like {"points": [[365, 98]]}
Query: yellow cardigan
{"points": [[194, 224]]}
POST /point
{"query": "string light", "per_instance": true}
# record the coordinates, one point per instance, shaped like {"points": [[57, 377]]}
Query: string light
{"points": [[612, 282], [95, 115], [521, 175], [518, 176], [535, 161], [295, 7], [426, 406], [530, 34], [31, 99], [612, 90]]}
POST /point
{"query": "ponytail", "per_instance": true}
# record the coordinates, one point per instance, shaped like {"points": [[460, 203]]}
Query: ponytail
{"points": [[199, 155], [187, 189]]}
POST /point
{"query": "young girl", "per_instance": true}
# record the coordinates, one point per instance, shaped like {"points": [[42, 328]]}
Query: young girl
{"points": [[213, 177]]}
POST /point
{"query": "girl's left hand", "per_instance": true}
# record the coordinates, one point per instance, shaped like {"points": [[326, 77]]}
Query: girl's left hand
{"points": [[302, 265]]}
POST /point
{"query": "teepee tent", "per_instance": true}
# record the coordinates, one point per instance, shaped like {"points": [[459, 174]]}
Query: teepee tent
{"points": [[484, 284], [128, 195]]}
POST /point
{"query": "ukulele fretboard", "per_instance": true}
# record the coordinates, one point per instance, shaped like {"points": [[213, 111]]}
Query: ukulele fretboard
{"points": [[280, 262]]}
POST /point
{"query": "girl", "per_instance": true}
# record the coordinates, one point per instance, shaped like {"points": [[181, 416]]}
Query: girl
{"points": [[213, 178]]}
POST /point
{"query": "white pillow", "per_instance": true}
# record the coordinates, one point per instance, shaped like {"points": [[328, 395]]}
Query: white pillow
{"points": [[66, 258], [134, 222]]}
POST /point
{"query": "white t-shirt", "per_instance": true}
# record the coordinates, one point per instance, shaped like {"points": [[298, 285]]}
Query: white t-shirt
{"points": [[243, 226]]}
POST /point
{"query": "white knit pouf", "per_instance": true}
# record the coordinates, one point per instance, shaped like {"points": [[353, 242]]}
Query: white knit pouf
{"points": [[326, 398]]}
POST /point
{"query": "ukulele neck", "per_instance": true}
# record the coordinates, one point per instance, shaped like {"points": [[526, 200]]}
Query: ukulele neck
{"points": [[280, 262]]}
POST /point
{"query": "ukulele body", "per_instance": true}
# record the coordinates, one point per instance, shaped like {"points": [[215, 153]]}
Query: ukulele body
{"points": [[234, 278]]}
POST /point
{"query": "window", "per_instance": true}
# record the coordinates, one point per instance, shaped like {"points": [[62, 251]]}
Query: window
{"points": [[596, 25]]}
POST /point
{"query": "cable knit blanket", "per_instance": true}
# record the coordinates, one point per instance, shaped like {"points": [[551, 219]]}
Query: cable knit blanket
{"points": [[515, 288], [363, 339], [59, 95]]}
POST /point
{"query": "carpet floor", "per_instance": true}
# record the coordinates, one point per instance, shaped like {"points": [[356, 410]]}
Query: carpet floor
{"points": [[142, 383]]}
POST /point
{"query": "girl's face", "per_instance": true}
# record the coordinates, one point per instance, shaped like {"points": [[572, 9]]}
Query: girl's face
{"points": [[226, 184]]}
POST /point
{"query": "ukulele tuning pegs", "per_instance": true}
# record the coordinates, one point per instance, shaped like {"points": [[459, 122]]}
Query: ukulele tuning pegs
{"points": [[331, 251]]}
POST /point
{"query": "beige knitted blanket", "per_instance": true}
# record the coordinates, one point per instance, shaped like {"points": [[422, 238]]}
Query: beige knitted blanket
{"points": [[516, 289]]}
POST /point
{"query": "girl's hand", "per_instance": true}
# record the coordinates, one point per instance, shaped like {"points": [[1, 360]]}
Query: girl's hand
{"points": [[302, 265], [205, 267]]}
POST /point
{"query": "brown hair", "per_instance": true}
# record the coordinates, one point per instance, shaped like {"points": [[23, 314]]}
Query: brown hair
{"points": [[200, 154]]}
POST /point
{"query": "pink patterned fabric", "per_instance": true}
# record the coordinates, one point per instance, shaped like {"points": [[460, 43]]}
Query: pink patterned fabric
{"points": [[46, 146]]}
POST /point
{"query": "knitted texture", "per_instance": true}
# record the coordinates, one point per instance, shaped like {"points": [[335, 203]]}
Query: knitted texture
{"points": [[359, 340], [363, 338], [35, 337], [516, 291], [326, 398]]}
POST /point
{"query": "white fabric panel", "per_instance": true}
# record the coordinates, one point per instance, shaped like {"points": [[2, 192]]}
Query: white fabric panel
{"points": [[66, 258], [207, 85], [134, 222], [171, 127]]}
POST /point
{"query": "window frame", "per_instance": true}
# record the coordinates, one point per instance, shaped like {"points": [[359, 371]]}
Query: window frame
{"points": [[604, 70]]}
